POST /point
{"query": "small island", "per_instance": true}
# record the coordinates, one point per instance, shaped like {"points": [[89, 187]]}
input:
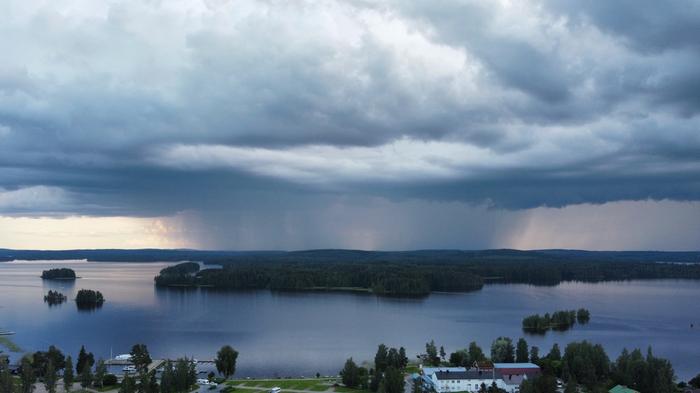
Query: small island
{"points": [[88, 299], [559, 320], [54, 298], [58, 274]]}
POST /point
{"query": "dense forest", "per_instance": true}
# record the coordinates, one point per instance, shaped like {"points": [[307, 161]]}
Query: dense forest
{"points": [[382, 279], [58, 274], [89, 299], [414, 273], [558, 320]]}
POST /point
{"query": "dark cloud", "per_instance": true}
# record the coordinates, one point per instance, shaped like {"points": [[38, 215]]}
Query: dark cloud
{"points": [[254, 110]]}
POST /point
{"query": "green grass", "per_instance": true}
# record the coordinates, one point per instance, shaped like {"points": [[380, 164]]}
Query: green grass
{"points": [[310, 384]]}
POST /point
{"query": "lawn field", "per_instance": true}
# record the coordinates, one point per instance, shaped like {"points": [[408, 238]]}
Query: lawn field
{"points": [[307, 384]]}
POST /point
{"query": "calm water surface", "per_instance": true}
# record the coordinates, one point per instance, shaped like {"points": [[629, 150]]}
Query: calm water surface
{"points": [[301, 334]]}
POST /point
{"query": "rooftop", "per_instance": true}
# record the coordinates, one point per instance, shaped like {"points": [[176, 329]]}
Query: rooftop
{"points": [[622, 389], [471, 374]]}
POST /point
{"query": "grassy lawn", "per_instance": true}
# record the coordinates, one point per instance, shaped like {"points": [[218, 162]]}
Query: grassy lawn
{"points": [[108, 388], [310, 384]]}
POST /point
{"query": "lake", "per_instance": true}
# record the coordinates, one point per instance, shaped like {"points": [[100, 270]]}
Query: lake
{"points": [[285, 334]]}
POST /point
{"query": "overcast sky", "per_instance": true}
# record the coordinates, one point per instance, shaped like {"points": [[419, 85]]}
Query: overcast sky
{"points": [[357, 124]]}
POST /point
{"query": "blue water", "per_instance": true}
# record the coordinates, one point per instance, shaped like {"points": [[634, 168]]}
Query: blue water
{"points": [[283, 334]]}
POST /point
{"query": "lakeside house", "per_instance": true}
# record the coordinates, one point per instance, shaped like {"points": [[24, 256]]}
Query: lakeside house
{"points": [[507, 376]]}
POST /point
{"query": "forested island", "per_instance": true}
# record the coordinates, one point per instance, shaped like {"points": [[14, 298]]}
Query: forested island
{"points": [[415, 273], [558, 320], [390, 279], [89, 299], [54, 298], [58, 274]]}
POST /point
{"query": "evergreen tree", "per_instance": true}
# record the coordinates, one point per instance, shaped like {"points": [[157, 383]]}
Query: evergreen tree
{"points": [[393, 380], [534, 354], [6, 381], [50, 378], [84, 358], [571, 386], [442, 353], [68, 375], [521, 352], [375, 380], [100, 372], [350, 374], [167, 378], [128, 385], [380, 359], [554, 353], [226, 361], [404, 358], [27, 377], [140, 357], [432, 353], [86, 376]]}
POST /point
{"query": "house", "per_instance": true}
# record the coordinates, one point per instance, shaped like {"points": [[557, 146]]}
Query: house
{"points": [[507, 376], [622, 389], [462, 381]]}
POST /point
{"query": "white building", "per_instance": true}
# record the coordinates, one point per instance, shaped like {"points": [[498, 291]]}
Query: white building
{"points": [[507, 376]]}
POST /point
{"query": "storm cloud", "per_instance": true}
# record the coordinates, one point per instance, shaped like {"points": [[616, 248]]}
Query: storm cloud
{"points": [[249, 117]]}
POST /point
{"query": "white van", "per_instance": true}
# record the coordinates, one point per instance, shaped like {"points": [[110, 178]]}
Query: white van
{"points": [[275, 390]]}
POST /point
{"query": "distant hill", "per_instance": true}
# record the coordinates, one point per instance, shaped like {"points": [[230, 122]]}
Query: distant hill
{"points": [[349, 256]]}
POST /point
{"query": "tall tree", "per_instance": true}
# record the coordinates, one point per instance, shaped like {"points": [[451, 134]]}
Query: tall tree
{"points": [[128, 385], [50, 378], [393, 380], [27, 377], [86, 376], [534, 354], [226, 361], [140, 357], [350, 374], [7, 384], [100, 372], [167, 378], [375, 380], [432, 353], [554, 353], [442, 353], [475, 353], [404, 358], [84, 358], [68, 375], [502, 350], [380, 359], [521, 351]]}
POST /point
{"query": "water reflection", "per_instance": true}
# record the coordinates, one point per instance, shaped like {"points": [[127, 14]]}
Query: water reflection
{"points": [[293, 333]]}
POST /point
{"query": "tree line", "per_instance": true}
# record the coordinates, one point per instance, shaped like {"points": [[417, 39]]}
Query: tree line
{"points": [[412, 277], [178, 376], [385, 377], [558, 320], [581, 365], [381, 279]]}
